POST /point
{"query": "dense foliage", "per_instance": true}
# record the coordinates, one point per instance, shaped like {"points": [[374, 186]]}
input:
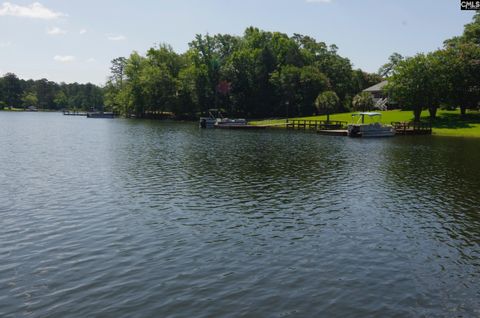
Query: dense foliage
{"points": [[259, 74], [44, 94], [449, 77], [327, 102], [263, 74], [363, 102]]}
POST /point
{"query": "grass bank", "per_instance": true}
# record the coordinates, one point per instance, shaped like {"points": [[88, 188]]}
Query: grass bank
{"points": [[448, 123], [13, 109]]}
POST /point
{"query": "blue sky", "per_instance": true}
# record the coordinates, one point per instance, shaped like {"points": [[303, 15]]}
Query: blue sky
{"points": [[75, 40]]}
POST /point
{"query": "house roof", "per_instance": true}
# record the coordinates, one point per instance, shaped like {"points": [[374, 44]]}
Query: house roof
{"points": [[376, 88]]}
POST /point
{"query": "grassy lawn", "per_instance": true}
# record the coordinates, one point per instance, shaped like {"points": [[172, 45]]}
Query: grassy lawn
{"points": [[448, 123], [13, 109]]}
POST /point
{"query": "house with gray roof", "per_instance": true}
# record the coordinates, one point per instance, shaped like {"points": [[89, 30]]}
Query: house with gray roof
{"points": [[379, 96]]}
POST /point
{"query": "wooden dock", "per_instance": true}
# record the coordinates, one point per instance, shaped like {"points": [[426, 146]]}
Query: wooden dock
{"points": [[412, 128], [74, 113], [315, 124], [100, 115]]}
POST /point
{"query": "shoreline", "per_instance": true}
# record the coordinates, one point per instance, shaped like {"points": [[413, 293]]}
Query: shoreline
{"points": [[447, 124]]}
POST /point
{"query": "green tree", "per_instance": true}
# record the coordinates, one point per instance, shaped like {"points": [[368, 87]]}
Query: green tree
{"points": [[134, 87], [411, 85], [362, 80], [461, 75], [338, 70], [12, 90], [363, 101], [287, 81], [327, 103], [111, 95], [61, 100], [471, 33], [248, 70], [255, 75], [158, 76], [206, 58], [2, 92], [312, 81], [298, 87], [388, 68], [29, 99], [437, 85], [187, 102], [114, 89], [45, 91], [159, 87], [117, 70]]}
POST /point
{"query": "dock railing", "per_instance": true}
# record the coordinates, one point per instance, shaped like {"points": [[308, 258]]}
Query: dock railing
{"points": [[412, 128], [315, 124]]}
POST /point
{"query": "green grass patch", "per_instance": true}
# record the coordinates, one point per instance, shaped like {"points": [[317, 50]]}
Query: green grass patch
{"points": [[448, 123], [13, 109]]}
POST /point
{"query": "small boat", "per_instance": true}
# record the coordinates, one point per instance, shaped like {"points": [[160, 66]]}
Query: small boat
{"points": [[100, 115], [373, 129], [208, 122], [216, 120], [227, 122]]}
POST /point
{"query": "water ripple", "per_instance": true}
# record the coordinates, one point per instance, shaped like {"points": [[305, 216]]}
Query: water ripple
{"points": [[119, 218]]}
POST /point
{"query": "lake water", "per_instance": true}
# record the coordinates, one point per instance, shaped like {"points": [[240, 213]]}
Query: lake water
{"points": [[131, 218]]}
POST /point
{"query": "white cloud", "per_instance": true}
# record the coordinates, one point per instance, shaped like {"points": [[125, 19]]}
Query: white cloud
{"points": [[319, 1], [116, 37], [91, 60], [83, 31], [64, 58], [56, 31], [35, 10], [5, 44]]}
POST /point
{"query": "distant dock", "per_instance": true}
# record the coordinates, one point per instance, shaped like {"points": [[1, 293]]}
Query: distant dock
{"points": [[89, 114], [74, 113], [100, 115]]}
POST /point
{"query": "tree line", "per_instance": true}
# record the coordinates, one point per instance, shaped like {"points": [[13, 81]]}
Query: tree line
{"points": [[44, 94], [259, 74], [446, 78], [263, 74]]}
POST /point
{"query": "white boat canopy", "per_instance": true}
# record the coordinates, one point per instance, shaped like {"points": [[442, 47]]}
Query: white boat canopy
{"points": [[371, 114], [360, 117]]}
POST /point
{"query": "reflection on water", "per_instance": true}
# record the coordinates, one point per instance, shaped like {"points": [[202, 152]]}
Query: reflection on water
{"points": [[127, 218]]}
